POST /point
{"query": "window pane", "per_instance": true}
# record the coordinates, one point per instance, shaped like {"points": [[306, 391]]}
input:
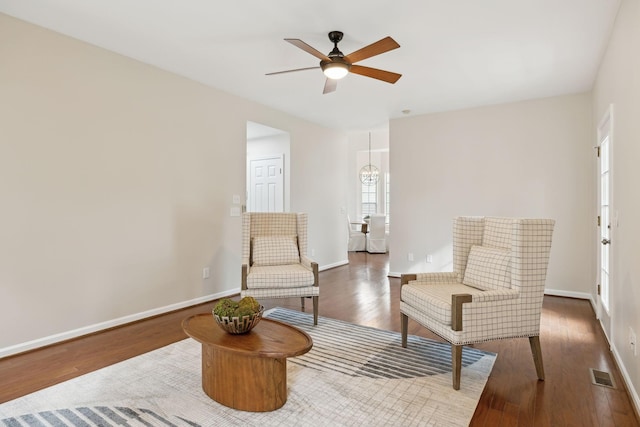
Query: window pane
{"points": [[369, 197]]}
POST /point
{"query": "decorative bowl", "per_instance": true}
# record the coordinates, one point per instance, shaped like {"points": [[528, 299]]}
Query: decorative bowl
{"points": [[239, 325]]}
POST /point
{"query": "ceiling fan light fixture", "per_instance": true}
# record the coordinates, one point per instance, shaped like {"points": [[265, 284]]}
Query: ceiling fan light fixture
{"points": [[335, 70]]}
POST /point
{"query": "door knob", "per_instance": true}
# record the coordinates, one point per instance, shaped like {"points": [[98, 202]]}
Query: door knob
{"points": [[606, 241]]}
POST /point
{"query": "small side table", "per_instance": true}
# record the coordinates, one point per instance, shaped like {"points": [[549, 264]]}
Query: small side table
{"points": [[247, 371]]}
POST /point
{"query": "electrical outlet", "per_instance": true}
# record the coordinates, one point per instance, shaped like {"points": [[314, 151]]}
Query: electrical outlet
{"points": [[632, 341], [313, 252], [205, 273], [429, 259], [410, 256]]}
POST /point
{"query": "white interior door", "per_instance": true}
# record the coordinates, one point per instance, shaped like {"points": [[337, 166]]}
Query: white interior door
{"points": [[266, 184], [605, 221]]}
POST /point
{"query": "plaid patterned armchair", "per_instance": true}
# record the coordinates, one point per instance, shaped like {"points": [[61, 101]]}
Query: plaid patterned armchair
{"points": [[495, 290], [274, 258]]}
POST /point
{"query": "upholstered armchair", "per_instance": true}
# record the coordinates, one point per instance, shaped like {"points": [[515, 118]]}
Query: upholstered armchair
{"points": [[274, 258], [495, 290]]}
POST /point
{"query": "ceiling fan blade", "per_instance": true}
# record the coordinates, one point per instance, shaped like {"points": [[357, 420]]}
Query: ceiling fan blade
{"points": [[385, 76], [330, 86], [381, 46], [302, 45], [291, 71]]}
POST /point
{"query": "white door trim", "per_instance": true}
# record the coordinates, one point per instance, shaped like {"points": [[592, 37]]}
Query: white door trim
{"points": [[608, 219]]}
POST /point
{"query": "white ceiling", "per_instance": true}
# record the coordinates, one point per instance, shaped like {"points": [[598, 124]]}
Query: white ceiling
{"points": [[454, 54]]}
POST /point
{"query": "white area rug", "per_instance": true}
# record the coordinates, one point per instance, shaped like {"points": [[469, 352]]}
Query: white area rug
{"points": [[353, 376]]}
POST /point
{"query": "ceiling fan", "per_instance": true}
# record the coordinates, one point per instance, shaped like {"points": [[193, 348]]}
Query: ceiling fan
{"points": [[336, 65]]}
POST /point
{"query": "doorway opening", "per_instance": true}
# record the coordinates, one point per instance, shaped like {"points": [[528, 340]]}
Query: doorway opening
{"points": [[606, 218]]}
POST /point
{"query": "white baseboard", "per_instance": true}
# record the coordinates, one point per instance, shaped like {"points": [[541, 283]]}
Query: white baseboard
{"points": [[569, 294], [635, 399], [52, 339], [333, 265]]}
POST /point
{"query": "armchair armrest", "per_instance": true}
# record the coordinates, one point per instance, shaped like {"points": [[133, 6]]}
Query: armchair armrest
{"points": [[311, 265], [406, 278], [487, 296], [427, 278], [306, 261], [456, 310], [314, 267], [245, 272], [496, 295]]}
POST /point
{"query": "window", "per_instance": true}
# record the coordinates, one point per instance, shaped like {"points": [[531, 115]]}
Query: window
{"points": [[369, 199]]}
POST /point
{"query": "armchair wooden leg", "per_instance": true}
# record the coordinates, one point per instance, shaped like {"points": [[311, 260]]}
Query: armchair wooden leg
{"points": [[315, 311], [456, 365], [404, 325], [536, 351], [302, 302]]}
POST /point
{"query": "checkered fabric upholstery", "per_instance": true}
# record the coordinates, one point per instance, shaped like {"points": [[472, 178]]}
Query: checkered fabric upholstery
{"points": [[277, 242], [502, 264], [488, 268], [274, 250]]}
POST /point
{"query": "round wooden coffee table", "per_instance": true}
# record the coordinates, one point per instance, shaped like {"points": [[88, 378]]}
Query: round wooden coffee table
{"points": [[247, 371]]}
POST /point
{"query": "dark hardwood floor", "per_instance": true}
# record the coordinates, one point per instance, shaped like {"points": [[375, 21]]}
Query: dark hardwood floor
{"points": [[572, 342]]}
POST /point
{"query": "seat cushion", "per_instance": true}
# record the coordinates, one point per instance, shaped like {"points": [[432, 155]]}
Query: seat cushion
{"points": [[275, 250], [434, 300], [488, 268], [279, 276]]}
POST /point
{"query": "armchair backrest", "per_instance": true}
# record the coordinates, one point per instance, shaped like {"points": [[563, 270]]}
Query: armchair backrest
{"points": [[266, 224], [525, 244], [467, 232], [508, 253], [377, 226]]}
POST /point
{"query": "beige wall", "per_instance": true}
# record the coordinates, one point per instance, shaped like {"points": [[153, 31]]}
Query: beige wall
{"points": [[117, 181], [618, 84], [527, 159]]}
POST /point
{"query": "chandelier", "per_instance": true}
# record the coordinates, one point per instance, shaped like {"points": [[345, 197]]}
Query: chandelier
{"points": [[369, 174]]}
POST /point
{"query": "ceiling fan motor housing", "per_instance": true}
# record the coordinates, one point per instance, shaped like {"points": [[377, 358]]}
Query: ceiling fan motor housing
{"points": [[335, 36], [336, 57]]}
